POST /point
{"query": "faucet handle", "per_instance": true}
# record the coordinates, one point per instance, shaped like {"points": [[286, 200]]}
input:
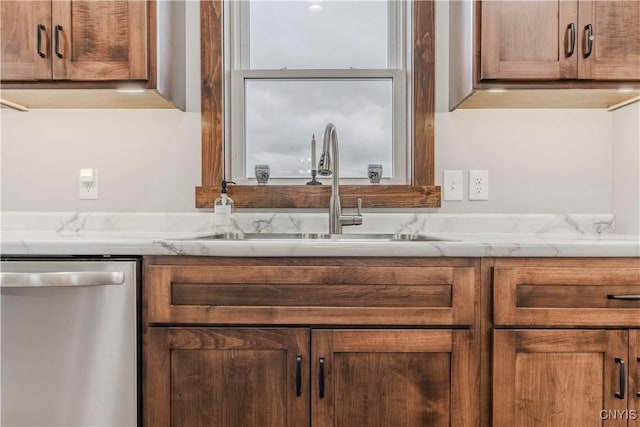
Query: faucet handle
{"points": [[359, 206]]}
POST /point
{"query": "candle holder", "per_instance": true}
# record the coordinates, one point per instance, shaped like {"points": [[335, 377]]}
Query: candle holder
{"points": [[313, 178]]}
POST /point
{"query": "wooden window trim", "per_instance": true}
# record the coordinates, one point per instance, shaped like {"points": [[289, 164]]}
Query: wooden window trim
{"points": [[422, 193]]}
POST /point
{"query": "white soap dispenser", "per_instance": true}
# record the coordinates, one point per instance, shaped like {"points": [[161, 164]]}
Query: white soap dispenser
{"points": [[223, 210]]}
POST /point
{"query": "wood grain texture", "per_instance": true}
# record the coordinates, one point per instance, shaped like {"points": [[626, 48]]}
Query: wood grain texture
{"points": [[228, 377], [19, 59], [286, 196], [423, 94], [484, 333], [211, 96], [526, 40], [152, 44], [254, 294], [101, 40], [422, 192], [561, 97], [616, 45], [115, 41], [634, 375], [555, 378], [551, 295], [393, 378], [310, 295], [86, 98], [104, 39]]}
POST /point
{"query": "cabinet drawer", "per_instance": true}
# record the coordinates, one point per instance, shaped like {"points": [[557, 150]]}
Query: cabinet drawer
{"points": [[331, 293], [567, 295]]}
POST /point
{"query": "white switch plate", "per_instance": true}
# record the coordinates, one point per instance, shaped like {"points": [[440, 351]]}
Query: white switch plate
{"points": [[88, 190], [478, 185], [452, 185]]}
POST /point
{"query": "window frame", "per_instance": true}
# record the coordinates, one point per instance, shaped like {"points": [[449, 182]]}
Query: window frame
{"points": [[237, 68], [420, 191]]}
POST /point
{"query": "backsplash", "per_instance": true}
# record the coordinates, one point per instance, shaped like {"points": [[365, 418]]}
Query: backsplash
{"points": [[79, 223]]}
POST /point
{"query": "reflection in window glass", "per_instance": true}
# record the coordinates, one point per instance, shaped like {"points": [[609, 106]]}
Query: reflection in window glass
{"points": [[318, 34], [282, 115]]}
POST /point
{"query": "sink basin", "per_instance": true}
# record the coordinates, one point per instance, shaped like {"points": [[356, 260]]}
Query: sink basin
{"points": [[325, 236]]}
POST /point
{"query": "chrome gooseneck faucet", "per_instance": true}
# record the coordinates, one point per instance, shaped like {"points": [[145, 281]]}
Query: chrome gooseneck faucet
{"points": [[325, 168]]}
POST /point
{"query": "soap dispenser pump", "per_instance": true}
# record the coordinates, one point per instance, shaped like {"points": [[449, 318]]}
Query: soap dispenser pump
{"points": [[223, 210]]}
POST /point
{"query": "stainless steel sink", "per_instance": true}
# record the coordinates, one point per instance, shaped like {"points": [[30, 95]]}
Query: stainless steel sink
{"points": [[325, 236]]}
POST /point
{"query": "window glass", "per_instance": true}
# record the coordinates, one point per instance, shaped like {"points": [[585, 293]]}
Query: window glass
{"points": [[318, 34], [282, 115]]}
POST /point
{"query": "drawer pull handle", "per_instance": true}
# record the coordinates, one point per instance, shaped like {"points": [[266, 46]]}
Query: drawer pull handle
{"points": [[572, 39], [623, 379], [638, 392], [298, 375], [41, 28], [321, 378], [624, 297], [56, 39], [589, 38]]}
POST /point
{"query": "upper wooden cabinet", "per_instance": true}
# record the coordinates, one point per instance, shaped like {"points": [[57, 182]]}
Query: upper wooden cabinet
{"points": [[530, 49], [74, 40], [552, 40]]}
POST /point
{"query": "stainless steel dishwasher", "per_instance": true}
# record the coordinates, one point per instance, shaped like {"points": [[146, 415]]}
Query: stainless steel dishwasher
{"points": [[68, 342]]}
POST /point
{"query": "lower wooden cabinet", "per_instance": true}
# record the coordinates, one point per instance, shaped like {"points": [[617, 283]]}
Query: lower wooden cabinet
{"points": [[392, 378], [300, 377], [566, 342], [566, 378], [226, 377]]}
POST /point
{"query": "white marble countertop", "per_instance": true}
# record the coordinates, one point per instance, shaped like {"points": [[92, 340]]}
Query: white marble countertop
{"points": [[463, 245], [175, 234]]}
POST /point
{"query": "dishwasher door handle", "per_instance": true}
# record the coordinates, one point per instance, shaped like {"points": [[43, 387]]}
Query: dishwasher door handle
{"points": [[61, 279]]}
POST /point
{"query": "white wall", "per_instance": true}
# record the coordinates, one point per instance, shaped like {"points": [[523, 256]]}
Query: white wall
{"points": [[539, 160], [147, 160], [626, 169]]}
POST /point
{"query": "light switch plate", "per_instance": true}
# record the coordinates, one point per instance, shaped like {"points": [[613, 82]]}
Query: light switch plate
{"points": [[88, 190], [452, 186], [478, 185]]}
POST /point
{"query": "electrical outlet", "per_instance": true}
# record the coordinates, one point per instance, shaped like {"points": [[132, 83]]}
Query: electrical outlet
{"points": [[88, 180], [452, 185], [478, 185]]}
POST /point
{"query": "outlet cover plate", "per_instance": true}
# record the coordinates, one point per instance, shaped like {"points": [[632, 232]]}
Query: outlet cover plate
{"points": [[478, 185]]}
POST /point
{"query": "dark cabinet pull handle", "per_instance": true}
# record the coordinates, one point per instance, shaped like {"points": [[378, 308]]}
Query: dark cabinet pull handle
{"points": [[572, 39], [39, 40], [321, 378], [623, 379], [638, 392], [56, 38], [624, 297], [589, 34], [298, 375]]}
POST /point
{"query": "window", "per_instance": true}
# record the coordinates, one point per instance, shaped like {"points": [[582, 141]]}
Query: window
{"points": [[291, 67]]}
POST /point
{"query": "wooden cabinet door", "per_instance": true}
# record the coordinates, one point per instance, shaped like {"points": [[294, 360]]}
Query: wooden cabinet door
{"points": [[393, 378], [100, 40], [558, 377], [634, 378], [523, 40], [615, 49], [204, 377], [19, 32]]}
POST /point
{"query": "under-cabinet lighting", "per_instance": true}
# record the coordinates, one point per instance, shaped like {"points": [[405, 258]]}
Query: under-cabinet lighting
{"points": [[130, 90], [496, 90], [625, 90], [315, 6]]}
